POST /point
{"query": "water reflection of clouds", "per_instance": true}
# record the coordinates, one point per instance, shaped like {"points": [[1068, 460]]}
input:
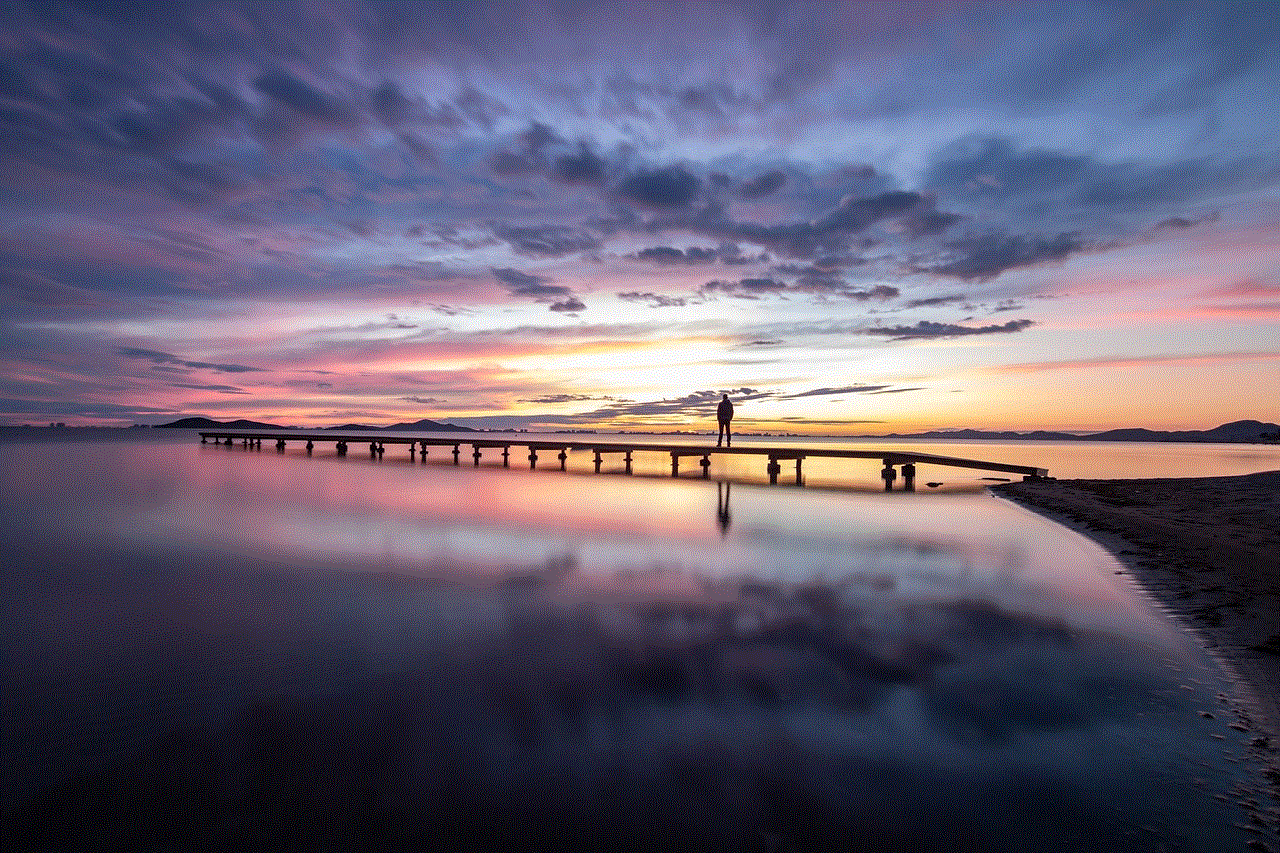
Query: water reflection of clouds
{"points": [[423, 661], [810, 713]]}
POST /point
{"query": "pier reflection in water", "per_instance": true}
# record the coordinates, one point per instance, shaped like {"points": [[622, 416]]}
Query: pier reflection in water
{"points": [[275, 647]]}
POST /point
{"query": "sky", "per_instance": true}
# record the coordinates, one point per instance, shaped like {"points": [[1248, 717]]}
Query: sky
{"points": [[851, 218]]}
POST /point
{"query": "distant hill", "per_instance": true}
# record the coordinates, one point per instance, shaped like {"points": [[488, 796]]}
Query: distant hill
{"points": [[208, 423], [1232, 432], [1038, 435], [425, 425], [1236, 431], [355, 427]]}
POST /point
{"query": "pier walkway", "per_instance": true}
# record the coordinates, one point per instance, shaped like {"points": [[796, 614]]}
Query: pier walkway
{"points": [[600, 448]]}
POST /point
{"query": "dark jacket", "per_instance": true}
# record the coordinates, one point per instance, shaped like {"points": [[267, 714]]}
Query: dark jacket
{"points": [[724, 412]]}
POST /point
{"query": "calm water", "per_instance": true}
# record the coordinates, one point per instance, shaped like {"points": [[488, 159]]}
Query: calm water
{"points": [[210, 646]]}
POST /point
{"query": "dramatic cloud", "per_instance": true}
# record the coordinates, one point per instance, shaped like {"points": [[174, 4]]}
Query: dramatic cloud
{"points": [[168, 359], [746, 288], [530, 158], [303, 98], [949, 299], [223, 389], [267, 184], [547, 241], [582, 167], [766, 184], [928, 329], [987, 256], [997, 173], [658, 300], [669, 255], [662, 189], [694, 406], [833, 392], [880, 293], [525, 284], [572, 305], [566, 398]]}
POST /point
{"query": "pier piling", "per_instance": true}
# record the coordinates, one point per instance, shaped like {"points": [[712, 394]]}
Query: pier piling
{"points": [[891, 459]]}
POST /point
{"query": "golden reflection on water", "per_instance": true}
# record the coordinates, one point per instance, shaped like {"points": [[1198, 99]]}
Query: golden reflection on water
{"points": [[419, 517]]}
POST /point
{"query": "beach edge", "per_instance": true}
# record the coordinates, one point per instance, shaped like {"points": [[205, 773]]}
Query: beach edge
{"points": [[1199, 548]]}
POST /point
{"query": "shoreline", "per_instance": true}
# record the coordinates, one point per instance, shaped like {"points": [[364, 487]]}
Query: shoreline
{"points": [[1206, 548]]}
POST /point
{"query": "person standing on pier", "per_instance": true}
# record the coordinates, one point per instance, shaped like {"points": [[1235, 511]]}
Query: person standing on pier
{"points": [[724, 414]]}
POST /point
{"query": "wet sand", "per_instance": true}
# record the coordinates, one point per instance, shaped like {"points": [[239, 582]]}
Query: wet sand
{"points": [[1207, 548]]}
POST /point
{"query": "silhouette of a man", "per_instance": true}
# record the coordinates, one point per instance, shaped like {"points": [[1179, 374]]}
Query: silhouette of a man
{"points": [[724, 414]]}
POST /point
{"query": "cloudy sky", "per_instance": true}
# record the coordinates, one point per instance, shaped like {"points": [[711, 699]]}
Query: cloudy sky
{"points": [[853, 218]]}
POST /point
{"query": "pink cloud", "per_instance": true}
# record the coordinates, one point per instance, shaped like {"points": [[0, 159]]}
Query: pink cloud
{"points": [[1136, 361]]}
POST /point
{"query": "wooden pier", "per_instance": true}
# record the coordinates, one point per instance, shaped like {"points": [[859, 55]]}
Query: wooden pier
{"points": [[376, 444]]}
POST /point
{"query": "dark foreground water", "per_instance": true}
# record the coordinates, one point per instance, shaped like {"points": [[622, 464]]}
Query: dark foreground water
{"points": [[211, 647]]}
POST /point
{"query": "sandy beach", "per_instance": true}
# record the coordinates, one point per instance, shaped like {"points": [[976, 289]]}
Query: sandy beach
{"points": [[1207, 548]]}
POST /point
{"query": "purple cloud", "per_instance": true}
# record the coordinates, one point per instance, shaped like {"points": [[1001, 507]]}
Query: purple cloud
{"points": [[928, 329]]}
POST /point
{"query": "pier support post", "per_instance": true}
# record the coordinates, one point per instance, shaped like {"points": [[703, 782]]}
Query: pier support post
{"points": [[413, 452], [310, 446], [456, 453], [280, 444], [506, 453], [774, 469], [675, 464], [423, 446], [203, 439], [563, 456], [342, 448], [598, 460], [475, 455], [888, 474], [909, 476], [373, 450], [533, 458], [799, 475], [628, 461], [705, 462]]}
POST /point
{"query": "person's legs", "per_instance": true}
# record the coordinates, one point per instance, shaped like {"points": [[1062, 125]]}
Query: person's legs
{"points": [[724, 429]]}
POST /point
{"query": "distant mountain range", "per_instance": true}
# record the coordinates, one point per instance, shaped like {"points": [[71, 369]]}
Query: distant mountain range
{"points": [[208, 423], [1236, 431], [423, 425]]}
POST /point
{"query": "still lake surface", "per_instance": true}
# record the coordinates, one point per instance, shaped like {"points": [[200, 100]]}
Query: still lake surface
{"points": [[215, 646]]}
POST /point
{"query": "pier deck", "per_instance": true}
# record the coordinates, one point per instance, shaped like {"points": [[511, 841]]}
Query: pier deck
{"points": [[377, 442]]}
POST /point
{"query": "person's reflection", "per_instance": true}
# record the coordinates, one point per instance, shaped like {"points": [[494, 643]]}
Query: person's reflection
{"points": [[722, 506]]}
